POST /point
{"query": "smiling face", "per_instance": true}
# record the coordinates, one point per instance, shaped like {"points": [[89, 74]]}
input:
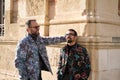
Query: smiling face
{"points": [[71, 38]]}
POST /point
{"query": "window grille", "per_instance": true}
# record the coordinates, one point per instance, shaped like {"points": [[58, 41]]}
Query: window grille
{"points": [[1, 29], [2, 12]]}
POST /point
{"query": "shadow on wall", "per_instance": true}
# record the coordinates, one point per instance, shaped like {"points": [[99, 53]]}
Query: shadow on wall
{"points": [[51, 9]]}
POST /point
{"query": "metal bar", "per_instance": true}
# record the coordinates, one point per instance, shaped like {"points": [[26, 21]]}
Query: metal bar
{"points": [[1, 29], [2, 17]]}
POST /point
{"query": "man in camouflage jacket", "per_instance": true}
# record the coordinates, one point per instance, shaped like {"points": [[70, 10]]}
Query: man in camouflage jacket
{"points": [[31, 55], [74, 62]]}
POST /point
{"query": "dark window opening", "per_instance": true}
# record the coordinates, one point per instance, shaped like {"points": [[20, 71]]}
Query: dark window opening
{"points": [[119, 7], [2, 12]]}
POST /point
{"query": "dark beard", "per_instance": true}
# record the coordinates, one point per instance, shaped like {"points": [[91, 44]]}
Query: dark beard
{"points": [[69, 41], [34, 36]]}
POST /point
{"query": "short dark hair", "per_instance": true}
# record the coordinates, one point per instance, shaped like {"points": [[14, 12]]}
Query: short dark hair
{"points": [[28, 23], [75, 33]]}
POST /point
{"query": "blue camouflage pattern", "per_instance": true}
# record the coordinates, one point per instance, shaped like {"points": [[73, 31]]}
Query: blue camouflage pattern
{"points": [[27, 57]]}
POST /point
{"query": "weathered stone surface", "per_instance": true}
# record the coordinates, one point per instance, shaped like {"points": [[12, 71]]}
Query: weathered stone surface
{"points": [[97, 24], [35, 7]]}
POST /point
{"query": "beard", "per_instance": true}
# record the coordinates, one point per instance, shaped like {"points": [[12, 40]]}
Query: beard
{"points": [[35, 35], [69, 41]]}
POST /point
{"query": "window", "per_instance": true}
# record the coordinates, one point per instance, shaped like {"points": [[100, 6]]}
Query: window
{"points": [[14, 11], [119, 7], [2, 11]]}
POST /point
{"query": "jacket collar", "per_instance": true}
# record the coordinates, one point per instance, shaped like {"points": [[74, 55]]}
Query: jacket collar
{"points": [[31, 39], [73, 47]]}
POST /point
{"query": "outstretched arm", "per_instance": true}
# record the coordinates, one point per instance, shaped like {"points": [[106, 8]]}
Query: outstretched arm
{"points": [[53, 40], [60, 66]]}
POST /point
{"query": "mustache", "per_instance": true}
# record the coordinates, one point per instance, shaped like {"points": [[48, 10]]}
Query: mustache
{"points": [[68, 38], [69, 41]]}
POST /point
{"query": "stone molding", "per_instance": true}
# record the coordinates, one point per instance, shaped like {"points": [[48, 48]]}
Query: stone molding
{"points": [[4, 42]]}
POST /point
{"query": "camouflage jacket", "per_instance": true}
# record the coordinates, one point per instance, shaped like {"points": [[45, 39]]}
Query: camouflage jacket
{"points": [[74, 60], [27, 58]]}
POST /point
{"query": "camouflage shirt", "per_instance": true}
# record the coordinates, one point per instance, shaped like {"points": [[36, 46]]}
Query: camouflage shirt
{"points": [[27, 57]]}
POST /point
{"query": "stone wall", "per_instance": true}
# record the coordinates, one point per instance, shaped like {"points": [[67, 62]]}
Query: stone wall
{"points": [[35, 7], [97, 24]]}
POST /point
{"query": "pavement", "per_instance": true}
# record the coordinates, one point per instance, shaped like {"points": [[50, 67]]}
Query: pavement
{"points": [[14, 76]]}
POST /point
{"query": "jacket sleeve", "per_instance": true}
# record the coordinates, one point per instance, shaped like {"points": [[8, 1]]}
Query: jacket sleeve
{"points": [[60, 72], [53, 40], [20, 61]]}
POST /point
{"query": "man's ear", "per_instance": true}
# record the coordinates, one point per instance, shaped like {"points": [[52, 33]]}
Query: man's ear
{"points": [[27, 29], [76, 37]]}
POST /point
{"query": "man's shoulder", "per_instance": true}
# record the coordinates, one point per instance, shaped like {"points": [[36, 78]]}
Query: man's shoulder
{"points": [[23, 40], [81, 48], [78, 45], [64, 47]]}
